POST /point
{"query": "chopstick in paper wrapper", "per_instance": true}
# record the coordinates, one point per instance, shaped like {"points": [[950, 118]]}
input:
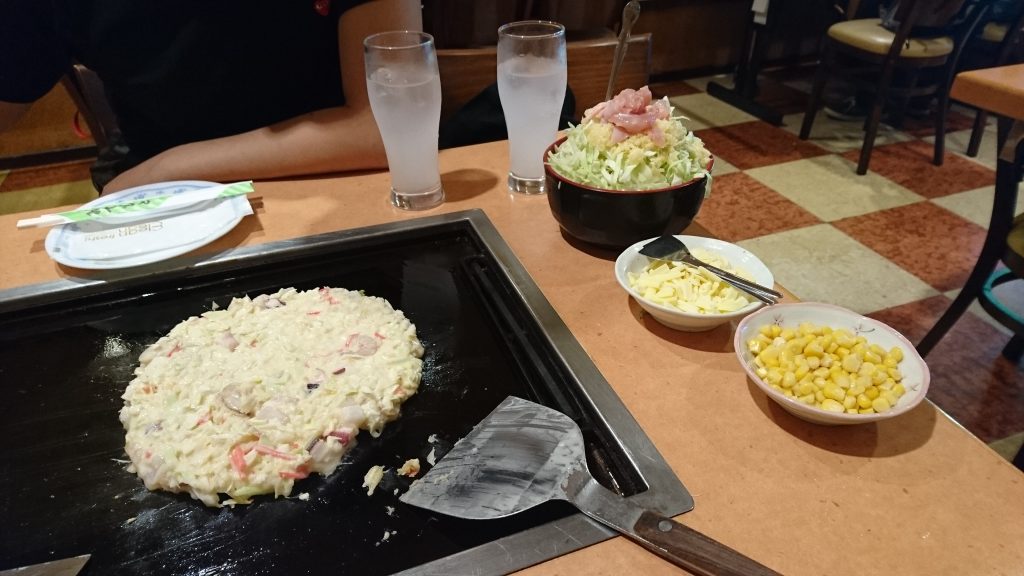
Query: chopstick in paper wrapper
{"points": [[143, 208]]}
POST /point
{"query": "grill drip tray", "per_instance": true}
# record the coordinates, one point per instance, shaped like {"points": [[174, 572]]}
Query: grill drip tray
{"points": [[68, 349]]}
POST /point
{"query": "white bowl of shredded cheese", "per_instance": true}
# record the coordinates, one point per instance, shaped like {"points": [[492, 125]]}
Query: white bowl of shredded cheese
{"points": [[692, 299]]}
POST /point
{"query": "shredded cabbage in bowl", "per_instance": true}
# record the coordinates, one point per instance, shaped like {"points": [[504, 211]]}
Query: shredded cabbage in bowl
{"points": [[589, 156]]}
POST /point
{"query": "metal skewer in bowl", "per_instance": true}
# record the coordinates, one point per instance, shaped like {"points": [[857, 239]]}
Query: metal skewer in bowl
{"points": [[629, 15]]}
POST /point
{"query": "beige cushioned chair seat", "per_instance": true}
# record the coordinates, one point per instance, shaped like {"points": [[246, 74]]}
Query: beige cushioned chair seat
{"points": [[994, 32], [868, 34]]}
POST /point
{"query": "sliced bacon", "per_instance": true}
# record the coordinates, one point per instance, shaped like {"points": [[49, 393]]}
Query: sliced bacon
{"points": [[632, 112]]}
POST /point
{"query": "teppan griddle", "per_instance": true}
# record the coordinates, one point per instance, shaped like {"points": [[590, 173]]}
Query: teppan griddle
{"points": [[69, 348]]}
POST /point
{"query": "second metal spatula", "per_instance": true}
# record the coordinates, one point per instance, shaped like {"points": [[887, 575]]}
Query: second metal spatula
{"points": [[523, 454]]}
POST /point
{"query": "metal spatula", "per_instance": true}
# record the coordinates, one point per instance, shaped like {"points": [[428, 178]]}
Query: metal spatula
{"points": [[523, 454]]}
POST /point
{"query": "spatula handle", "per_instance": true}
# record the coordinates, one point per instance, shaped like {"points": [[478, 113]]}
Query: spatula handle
{"points": [[694, 551], [667, 538]]}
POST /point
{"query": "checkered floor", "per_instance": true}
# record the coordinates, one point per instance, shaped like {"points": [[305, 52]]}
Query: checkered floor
{"points": [[895, 244]]}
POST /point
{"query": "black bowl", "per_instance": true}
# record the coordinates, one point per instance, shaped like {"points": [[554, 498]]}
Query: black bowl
{"points": [[620, 218]]}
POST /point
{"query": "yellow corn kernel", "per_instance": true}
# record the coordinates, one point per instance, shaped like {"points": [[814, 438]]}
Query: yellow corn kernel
{"points": [[762, 372], [820, 372], [857, 389], [754, 346], [831, 405], [863, 401], [788, 380], [889, 362], [842, 352], [774, 377], [880, 405], [866, 411], [808, 399], [852, 363], [872, 357], [813, 349], [814, 362], [850, 403], [795, 346], [805, 388], [802, 371], [887, 385], [819, 396], [788, 392], [852, 411], [876, 349], [843, 381], [889, 397], [766, 330], [866, 368], [827, 361], [878, 376], [897, 353], [863, 381], [834, 392], [895, 374], [899, 390], [871, 392], [776, 330], [788, 333]]}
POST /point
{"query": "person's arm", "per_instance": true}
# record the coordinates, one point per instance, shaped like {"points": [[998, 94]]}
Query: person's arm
{"points": [[10, 113], [330, 140]]}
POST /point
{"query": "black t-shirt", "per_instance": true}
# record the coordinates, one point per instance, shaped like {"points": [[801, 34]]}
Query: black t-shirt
{"points": [[178, 71]]}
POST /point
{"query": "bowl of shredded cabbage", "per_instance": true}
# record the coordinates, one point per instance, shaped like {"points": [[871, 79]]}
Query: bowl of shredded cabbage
{"points": [[629, 170]]}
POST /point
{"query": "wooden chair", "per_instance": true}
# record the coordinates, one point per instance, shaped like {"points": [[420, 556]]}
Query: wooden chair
{"points": [[1006, 40], [465, 72], [1001, 92], [873, 55], [86, 90]]}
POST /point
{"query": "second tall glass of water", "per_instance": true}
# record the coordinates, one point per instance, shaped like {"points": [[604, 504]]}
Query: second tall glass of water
{"points": [[531, 84], [405, 96]]}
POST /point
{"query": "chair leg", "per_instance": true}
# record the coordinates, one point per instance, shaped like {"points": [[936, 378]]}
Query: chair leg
{"points": [[871, 131], [942, 107], [980, 120], [817, 91], [1007, 174], [1014, 349]]}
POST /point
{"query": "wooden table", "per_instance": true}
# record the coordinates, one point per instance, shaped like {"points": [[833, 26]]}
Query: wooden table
{"points": [[916, 495]]}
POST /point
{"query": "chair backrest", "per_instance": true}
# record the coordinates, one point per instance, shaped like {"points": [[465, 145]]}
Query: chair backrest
{"points": [[86, 90], [930, 13], [466, 72]]}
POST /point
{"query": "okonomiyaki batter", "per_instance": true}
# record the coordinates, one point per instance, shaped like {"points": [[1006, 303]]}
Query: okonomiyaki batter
{"points": [[248, 399]]}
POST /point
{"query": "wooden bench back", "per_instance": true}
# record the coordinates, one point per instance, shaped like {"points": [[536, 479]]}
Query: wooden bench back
{"points": [[467, 71]]}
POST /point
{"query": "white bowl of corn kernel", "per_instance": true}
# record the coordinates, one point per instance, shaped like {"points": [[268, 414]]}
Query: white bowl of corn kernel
{"points": [[685, 298], [829, 365]]}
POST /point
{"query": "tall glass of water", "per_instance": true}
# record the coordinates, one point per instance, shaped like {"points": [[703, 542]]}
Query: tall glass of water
{"points": [[405, 96], [531, 84]]}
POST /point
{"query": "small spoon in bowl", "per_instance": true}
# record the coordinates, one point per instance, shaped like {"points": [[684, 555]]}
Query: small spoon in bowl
{"points": [[671, 248]]}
